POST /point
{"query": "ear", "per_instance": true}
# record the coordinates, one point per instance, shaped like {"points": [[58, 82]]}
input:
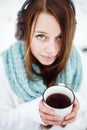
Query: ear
{"points": [[20, 26]]}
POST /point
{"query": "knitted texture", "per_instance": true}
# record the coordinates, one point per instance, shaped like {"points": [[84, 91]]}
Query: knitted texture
{"points": [[28, 90]]}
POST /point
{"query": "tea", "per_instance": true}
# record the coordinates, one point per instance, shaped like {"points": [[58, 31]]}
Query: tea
{"points": [[58, 100]]}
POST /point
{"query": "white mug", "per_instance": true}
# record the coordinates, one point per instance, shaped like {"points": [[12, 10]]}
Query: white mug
{"points": [[65, 93]]}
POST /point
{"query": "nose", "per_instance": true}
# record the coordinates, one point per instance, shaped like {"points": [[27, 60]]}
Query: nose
{"points": [[51, 48]]}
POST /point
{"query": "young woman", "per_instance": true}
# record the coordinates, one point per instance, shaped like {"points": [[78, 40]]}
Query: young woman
{"points": [[43, 56]]}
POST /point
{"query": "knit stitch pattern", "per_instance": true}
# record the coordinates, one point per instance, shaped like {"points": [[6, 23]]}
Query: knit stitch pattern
{"points": [[28, 90]]}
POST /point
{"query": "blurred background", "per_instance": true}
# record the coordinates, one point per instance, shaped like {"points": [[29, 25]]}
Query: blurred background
{"points": [[8, 14]]}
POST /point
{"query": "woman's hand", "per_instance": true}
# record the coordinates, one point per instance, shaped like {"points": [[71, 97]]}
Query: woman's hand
{"points": [[72, 116], [48, 115]]}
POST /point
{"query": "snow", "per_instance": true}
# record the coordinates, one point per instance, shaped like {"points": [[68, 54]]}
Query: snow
{"points": [[8, 12]]}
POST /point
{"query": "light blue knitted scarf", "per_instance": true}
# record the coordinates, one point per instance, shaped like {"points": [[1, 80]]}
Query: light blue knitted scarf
{"points": [[28, 90]]}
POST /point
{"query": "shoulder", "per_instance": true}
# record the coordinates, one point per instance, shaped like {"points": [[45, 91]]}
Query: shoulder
{"points": [[74, 62], [3, 77], [17, 45], [14, 52], [75, 52], [75, 56], [1, 64], [7, 96]]}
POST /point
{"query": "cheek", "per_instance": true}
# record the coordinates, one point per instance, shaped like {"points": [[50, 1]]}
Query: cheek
{"points": [[58, 49], [59, 46], [35, 47]]}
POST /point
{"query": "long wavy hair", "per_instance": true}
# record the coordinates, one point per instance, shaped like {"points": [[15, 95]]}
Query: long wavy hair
{"points": [[65, 16]]}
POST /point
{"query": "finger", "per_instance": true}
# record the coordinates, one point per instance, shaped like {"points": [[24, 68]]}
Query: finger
{"points": [[44, 109], [50, 117], [68, 121], [71, 115], [74, 110], [76, 105], [51, 122]]}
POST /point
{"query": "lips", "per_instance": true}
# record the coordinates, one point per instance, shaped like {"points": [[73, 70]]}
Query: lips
{"points": [[49, 58]]}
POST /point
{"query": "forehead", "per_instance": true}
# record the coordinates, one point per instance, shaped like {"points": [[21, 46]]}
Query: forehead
{"points": [[47, 23]]}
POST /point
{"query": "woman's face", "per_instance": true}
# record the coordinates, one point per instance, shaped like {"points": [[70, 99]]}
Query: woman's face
{"points": [[46, 39]]}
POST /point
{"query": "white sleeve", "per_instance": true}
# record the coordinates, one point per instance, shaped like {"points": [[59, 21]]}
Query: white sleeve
{"points": [[21, 116], [15, 113], [82, 105]]}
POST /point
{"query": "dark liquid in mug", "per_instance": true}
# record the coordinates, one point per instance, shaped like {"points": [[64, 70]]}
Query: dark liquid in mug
{"points": [[58, 100]]}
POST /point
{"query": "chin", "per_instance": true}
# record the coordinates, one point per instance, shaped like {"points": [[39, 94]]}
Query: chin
{"points": [[46, 64]]}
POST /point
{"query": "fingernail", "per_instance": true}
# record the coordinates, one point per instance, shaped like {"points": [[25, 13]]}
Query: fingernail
{"points": [[63, 125]]}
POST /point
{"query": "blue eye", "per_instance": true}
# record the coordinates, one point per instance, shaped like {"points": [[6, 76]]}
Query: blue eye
{"points": [[40, 37]]}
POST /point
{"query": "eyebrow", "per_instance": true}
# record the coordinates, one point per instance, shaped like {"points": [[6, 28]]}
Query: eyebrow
{"points": [[40, 32], [46, 33]]}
